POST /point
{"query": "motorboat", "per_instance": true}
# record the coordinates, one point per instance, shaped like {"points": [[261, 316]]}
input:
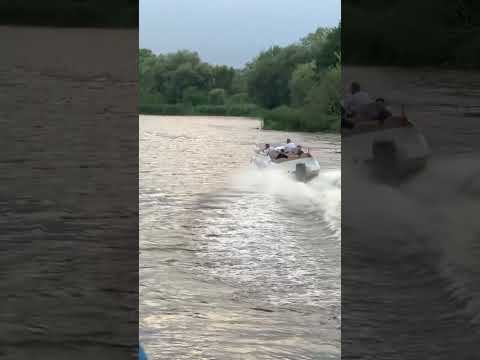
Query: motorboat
{"points": [[302, 167], [394, 148]]}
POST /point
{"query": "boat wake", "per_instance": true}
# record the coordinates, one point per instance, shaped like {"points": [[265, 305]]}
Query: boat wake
{"points": [[321, 196], [431, 222], [456, 227], [274, 237]]}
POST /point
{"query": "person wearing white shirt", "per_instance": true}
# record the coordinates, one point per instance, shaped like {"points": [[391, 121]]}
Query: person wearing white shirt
{"points": [[290, 147], [356, 100]]}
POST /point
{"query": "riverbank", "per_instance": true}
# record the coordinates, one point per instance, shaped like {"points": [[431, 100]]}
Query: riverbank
{"points": [[248, 110], [283, 118]]}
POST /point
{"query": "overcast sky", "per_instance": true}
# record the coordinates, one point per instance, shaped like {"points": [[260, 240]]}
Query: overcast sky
{"points": [[230, 32]]}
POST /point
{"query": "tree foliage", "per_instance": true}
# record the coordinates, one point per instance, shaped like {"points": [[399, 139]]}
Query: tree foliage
{"points": [[216, 97], [70, 13], [303, 79], [296, 85], [412, 32]]}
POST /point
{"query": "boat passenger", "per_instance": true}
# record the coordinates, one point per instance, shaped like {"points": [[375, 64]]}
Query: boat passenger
{"points": [[290, 147], [356, 99], [299, 151], [382, 112], [266, 149], [346, 123], [282, 155]]}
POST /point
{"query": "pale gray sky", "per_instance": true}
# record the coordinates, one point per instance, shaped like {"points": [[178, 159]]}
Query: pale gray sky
{"points": [[230, 32]]}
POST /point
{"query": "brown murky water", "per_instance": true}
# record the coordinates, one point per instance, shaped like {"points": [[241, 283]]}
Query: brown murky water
{"points": [[235, 263], [417, 240], [68, 193]]}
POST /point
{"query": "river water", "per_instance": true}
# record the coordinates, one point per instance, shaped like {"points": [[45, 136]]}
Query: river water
{"points": [[68, 193], [410, 270], [236, 263]]}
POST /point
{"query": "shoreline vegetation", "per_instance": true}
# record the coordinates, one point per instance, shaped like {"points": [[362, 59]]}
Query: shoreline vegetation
{"points": [[70, 13], [427, 33], [294, 88]]}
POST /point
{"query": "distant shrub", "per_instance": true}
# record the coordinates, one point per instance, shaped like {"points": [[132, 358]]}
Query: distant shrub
{"points": [[300, 119], [219, 110], [151, 98], [216, 97], [164, 109], [469, 52], [251, 110], [320, 122], [283, 118], [194, 96], [241, 98], [243, 110], [70, 13]]}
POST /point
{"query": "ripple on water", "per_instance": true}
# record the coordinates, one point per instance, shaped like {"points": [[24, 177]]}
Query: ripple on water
{"points": [[247, 264]]}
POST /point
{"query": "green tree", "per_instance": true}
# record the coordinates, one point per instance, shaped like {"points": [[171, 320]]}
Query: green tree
{"points": [[146, 64], [194, 96], [240, 98], [323, 101], [268, 76], [293, 87], [223, 77], [216, 97], [239, 82], [445, 32], [324, 51], [303, 80]]}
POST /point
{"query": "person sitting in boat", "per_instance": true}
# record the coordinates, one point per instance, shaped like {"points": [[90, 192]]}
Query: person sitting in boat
{"points": [[382, 112], [299, 152], [290, 147], [266, 149], [282, 155], [346, 122], [372, 115], [355, 100]]}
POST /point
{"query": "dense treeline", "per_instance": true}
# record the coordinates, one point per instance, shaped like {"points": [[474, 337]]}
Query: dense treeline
{"points": [[295, 87], [70, 13], [411, 32]]}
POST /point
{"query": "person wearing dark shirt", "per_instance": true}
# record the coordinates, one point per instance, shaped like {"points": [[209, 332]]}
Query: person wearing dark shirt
{"points": [[299, 151], [382, 111], [282, 155]]}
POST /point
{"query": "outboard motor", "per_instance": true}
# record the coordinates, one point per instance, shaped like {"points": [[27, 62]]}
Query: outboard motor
{"points": [[387, 164], [301, 172], [384, 153]]}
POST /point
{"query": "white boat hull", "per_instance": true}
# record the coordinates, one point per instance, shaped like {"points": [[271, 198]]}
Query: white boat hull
{"points": [[309, 166], [401, 151]]}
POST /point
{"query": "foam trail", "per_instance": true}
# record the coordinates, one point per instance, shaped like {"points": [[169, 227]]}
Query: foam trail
{"points": [[321, 195], [456, 199], [436, 213]]}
